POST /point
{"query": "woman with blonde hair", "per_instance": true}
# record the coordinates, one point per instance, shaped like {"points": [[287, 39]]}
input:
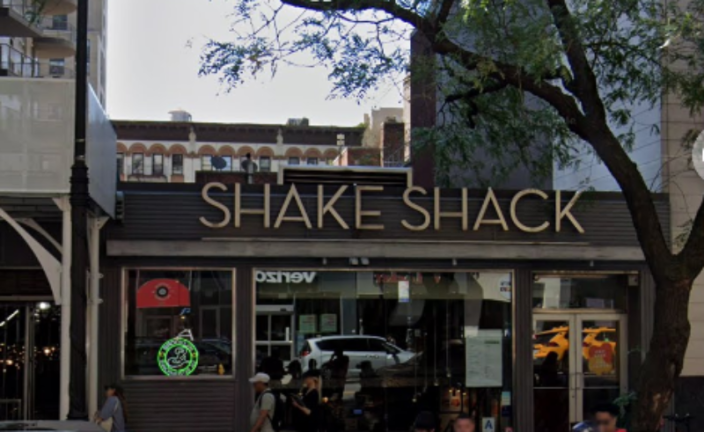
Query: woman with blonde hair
{"points": [[306, 414]]}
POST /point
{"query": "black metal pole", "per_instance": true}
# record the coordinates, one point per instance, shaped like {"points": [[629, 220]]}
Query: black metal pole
{"points": [[79, 212]]}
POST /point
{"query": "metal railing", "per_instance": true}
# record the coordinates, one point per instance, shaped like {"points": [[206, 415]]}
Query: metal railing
{"points": [[28, 9], [58, 29], [17, 64]]}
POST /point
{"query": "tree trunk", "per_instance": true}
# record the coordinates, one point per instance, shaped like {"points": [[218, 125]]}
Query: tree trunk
{"points": [[663, 363]]}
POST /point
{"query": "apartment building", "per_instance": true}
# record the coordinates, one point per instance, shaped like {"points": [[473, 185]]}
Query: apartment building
{"points": [[38, 40], [174, 151]]}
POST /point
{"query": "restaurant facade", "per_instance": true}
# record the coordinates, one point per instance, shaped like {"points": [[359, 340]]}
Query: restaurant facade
{"points": [[521, 308]]}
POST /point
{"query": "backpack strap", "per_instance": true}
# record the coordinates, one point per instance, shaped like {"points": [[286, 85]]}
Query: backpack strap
{"points": [[259, 402]]}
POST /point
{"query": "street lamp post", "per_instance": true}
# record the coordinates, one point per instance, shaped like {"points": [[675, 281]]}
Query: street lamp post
{"points": [[79, 213]]}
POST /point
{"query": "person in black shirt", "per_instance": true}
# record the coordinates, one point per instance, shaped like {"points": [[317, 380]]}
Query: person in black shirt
{"points": [[306, 411], [273, 365]]}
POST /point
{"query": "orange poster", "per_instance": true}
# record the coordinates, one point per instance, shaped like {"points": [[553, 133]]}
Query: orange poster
{"points": [[601, 359]]}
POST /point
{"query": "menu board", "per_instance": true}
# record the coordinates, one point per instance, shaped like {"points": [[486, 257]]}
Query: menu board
{"points": [[306, 324], [484, 367], [328, 323]]}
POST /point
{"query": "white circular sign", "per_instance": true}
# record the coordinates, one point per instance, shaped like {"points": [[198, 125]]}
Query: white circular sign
{"points": [[698, 155]]}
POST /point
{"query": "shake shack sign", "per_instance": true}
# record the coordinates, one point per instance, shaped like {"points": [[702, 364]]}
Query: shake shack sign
{"points": [[362, 208]]}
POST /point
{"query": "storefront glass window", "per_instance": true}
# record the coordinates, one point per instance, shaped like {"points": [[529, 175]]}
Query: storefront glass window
{"points": [[179, 323], [389, 344], [581, 291]]}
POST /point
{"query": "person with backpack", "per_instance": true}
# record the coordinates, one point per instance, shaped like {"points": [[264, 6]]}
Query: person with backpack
{"points": [[267, 412]]}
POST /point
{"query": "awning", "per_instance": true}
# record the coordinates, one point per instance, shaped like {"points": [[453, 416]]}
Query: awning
{"points": [[162, 293]]}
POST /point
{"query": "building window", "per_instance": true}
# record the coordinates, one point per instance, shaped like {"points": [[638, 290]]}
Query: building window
{"points": [[179, 315], [228, 163], [330, 161], [340, 139], [158, 164], [59, 22], [265, 164], [294, 160], [439, 337], [206, 163], [138, 163], [57, 67], [120, 164], [312, 161], [177, 164]]}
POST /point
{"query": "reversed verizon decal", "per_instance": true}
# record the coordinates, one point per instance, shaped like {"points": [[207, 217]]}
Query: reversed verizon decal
{"points": [[285, 277]]}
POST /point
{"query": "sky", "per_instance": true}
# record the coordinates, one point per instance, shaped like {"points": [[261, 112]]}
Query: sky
{"points": [[153, 50]]}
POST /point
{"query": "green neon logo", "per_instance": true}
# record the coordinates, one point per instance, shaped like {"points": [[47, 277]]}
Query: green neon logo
{"points": [[177, 357]]}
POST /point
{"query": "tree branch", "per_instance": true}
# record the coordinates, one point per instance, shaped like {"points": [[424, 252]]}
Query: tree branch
{"points": [[444, 12], [492, 88], [693, 252], [606, 145], [585, 86], [393, 9]]}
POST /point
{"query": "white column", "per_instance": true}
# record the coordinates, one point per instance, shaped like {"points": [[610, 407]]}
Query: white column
{"points": [[95, 224], [65, 358]]}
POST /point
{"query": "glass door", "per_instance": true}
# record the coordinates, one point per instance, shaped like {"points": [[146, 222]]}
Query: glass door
{"points": [[274, 338], [579, 361], [602, 367], [553, 372], [29, 361]]}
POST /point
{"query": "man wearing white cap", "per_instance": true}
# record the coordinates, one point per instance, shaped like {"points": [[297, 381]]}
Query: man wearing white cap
{"points": [[263, 410]]}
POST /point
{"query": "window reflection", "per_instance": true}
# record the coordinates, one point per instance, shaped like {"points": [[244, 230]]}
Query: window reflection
{"points": [[193, 307], [587, 291], [389, 344]]}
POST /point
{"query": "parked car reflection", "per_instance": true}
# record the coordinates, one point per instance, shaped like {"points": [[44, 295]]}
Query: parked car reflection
{"points": [[373, 349]]}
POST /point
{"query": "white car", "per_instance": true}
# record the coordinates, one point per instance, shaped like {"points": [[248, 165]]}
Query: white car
{"points": [[374, 349]]}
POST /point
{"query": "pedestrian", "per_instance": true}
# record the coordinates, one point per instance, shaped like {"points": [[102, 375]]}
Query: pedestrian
{"points": [[306, 417], [425, 422], [606, 418], [113, 416], [273, 365], [260, 420], [464, 423]]}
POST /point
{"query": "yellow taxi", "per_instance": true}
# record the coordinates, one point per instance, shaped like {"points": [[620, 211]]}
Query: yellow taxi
{"points": [[557, 340], [554, 340]]}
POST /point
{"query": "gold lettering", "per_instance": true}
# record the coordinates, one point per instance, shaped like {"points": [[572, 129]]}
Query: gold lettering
{"points": [[293, 194], [462, 214], [239, 211], [416, 207], [329, 207], [566, 212], [359, 213], [490, 198], [514, 215], [216, 204]]}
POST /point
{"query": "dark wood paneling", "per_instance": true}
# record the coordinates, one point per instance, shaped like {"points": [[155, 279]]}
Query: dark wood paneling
{"points": [[180, 406], [523, 349], [169, 213], [20, 283], [14, 251]]}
